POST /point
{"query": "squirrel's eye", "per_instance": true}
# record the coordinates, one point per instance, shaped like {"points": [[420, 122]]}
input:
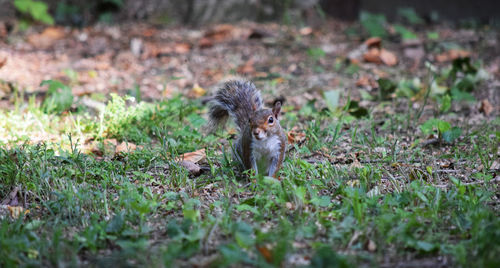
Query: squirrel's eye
{"points": [[270, 120]]}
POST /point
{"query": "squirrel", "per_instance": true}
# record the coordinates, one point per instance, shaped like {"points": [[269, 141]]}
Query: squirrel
{"points": [[261, 141]]}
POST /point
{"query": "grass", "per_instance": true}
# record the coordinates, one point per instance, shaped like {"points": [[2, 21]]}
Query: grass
{"points": [[356, 193]]}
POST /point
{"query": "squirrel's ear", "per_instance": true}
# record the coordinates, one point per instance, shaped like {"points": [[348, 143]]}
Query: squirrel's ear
{"points": [[277, 109]]}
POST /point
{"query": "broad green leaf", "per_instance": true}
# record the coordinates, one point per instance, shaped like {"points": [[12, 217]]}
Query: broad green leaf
{"points": [[410, 15], [428, 127], [459, 95], [437, 89], [443, 126], [332, 99], [387, 87], [452, 134], [374, 24], [404, 32], [245, 207], [424, 246], [300, 192], [445, 103]]}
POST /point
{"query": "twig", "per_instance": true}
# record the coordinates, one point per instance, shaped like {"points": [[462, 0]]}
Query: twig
{"points": [[11, 196]]}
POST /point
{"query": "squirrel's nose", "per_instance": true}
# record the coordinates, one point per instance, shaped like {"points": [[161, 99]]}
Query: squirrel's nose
{"points": [[257, 132]]}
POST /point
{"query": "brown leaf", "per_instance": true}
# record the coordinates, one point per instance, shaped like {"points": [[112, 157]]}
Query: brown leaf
{"points": [[3, 61], [372, 55], [193, 168], [182, 48], [296, 137], [266, 253], [373, 42], [205, 43], [149, 32], [452, 54], [380, 74], [110, 142], [306, 31], [47, 38], [15, 211], [366, 81], [246, 68], [220, 32], [196, 91], [388, 58], [486, 108], [194, 157], [125, 147]]}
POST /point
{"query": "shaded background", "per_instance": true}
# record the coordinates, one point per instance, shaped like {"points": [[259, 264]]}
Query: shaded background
{"points": [[198, 12]]}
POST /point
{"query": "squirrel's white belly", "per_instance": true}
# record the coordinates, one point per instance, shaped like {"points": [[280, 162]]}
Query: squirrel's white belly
{"points": [[264, 151]]}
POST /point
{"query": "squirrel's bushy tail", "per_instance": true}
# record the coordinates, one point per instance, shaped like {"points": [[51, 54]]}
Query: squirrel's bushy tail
{"points": [[238, 99]]}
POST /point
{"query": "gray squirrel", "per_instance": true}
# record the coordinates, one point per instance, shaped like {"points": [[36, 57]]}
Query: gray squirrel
{"points": [[261, 141]]}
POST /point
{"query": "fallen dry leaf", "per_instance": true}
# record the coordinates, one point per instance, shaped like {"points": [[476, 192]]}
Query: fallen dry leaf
{"points": [[182, 48], [220, 32], [388, 58], [196, 91], [110, 142], [216, 34], [246, 68], [194, 157], [306, 31], [486, 108], [193, 168], [47, 38], [380, 73], [373, 42], [266, 253], [205, 43], [366, 81], [125, 147], [15, 211], [372, 55], [3, 61], [452, 54], [296, 137]]}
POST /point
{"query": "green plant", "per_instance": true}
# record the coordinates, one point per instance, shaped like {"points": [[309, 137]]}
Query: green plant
{"points": [[36, 10], [444, 130], [410, 15], [59, 97], [373, 24], [404, 32]]}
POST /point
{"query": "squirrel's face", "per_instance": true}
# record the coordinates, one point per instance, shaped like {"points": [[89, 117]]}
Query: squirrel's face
{"points": [[262, 126], [265, 122]]}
